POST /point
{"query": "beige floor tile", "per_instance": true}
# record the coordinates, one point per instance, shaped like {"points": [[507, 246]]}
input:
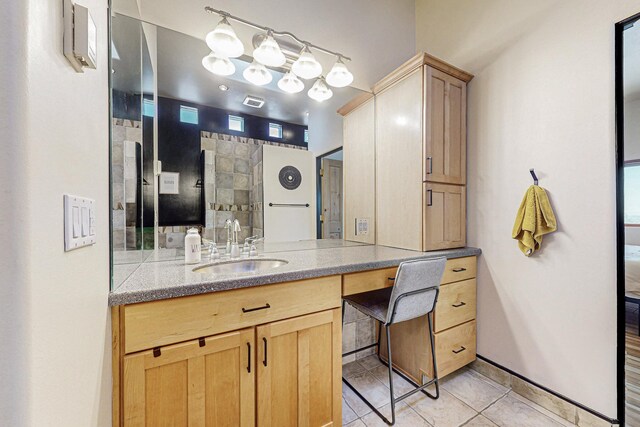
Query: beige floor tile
{"points": [[480, 421], [400, 385], [447, 411], [356, 423], [352, 368], [473, 389], [348, 414], [543, 398], [405, 417], [372, 389], [509, 412], [370, 362], [544, 411]]}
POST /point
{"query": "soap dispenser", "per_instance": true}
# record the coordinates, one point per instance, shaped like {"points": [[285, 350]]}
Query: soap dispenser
{"points": [[192, 250]]}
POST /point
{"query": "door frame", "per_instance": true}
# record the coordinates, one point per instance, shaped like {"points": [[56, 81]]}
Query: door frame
{"points": [[319, 189], [620, 229]]}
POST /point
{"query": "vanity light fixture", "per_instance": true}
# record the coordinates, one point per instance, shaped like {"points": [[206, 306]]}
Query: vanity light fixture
{"points": [[290, 83], [269, 52], [224, 41], [320, 91], [218, 64], [257, 74], [339, 76], [306, 66]]}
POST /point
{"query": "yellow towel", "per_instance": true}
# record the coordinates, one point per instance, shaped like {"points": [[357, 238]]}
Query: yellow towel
{"points": [[535, 219]]}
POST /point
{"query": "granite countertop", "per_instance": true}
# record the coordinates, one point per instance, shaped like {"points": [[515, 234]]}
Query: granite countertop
{"points": [[150, 281]]}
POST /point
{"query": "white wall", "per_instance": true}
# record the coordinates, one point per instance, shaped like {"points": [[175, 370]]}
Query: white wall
{"points": [[54, 321], [543, 97]]}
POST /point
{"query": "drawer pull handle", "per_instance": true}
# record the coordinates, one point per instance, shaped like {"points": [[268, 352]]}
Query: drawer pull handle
{"points": [[249, 357], [459, 270], [264, 361], [247, 310], [460, 304], [430, 169], [462, 348], [391, 278], [430, 194]]}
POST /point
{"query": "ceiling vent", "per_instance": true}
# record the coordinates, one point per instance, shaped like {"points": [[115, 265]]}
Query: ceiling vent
{"points": [[253, 101]]}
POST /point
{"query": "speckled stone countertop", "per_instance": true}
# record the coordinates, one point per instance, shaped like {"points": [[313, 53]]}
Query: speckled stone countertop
{"points": [[151, 281]]}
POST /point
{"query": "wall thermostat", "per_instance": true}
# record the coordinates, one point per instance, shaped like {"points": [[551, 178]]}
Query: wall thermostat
{"points": [[80, 43]]}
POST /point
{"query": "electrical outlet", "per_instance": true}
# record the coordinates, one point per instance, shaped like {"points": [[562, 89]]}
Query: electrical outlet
{"points": [[362, 226]]}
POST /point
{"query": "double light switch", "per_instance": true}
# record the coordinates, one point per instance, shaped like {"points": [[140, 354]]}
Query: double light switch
{"points": [[79, 222]]}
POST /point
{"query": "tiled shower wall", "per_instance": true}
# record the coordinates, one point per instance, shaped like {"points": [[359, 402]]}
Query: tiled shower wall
{"points": [[232, 186], [358, 331], [126, 136]]}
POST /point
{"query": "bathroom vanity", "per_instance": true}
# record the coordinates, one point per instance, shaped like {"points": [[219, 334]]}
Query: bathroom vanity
{"points": [[265, 347]]}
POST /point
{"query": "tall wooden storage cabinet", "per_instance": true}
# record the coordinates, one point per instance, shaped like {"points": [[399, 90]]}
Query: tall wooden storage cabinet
{"points": [[420, 156]]}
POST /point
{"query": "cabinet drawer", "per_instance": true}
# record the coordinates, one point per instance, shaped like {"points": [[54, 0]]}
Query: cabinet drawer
{"points": [[354, 283], [458, 269], [456, 304], [455, 348], [159, 323]]}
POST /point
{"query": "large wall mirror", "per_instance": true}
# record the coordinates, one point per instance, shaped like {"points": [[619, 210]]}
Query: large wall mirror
{"points": [[191, 148]]}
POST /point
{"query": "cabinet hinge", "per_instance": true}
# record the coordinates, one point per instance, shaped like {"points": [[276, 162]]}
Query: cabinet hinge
{"points": [[157, 352]]}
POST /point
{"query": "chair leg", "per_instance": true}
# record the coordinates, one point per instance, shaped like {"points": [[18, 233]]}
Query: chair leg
{"points": [[433, 361], [390, 364]]}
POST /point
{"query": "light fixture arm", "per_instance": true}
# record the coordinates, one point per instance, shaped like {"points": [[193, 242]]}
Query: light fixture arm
{"points": [[303, 43]]}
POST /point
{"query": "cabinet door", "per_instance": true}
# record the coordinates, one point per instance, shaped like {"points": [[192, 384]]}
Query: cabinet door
{"points": [[446, 128], [444, 216], [399, 142], [201, 383], [299, 371], [359, 172]]}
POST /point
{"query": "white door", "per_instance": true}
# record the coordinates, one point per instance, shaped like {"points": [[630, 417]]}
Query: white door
{"points": [[289, 194]]}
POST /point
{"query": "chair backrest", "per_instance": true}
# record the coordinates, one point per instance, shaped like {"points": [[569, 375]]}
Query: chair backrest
{"points": [[415, 290]]}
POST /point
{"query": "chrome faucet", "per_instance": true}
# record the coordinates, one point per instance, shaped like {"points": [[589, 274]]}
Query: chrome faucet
{"points": [[250, 248]]}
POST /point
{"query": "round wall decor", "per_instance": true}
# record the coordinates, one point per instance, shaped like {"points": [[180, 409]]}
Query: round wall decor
{"points": [[290, 177]]}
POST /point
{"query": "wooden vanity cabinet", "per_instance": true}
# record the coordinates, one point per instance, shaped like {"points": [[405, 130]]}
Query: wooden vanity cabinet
{"points": [[300, 371], [207, 382], [282, 368], [420, 141]]}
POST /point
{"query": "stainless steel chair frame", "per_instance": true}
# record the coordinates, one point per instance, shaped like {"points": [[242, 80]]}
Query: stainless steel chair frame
{"points": [[389, 363]]}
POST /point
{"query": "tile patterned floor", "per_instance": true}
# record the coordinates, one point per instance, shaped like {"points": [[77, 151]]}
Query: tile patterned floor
{"points": [[467, 398]]}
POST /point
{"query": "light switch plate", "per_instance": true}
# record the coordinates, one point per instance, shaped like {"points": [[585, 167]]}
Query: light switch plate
{"points": [[79, 222]]}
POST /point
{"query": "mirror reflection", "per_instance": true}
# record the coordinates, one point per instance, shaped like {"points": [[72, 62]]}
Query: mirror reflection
{"points": [[196, 149]]}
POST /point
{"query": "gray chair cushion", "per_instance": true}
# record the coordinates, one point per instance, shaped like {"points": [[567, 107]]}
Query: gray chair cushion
{"points": [[373, 303], [415, 276]]}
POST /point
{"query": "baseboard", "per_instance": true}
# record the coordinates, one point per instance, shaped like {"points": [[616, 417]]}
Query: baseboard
{"points": [[565, 406]]}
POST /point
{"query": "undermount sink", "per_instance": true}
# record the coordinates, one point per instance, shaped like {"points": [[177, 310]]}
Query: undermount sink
{"points": [[241, 266]]}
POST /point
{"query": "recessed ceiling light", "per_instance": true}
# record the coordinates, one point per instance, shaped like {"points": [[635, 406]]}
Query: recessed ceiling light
{"points": [[223, 88]]}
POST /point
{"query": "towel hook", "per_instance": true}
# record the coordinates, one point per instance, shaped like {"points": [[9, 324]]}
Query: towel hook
{"points": [[534, 176]]}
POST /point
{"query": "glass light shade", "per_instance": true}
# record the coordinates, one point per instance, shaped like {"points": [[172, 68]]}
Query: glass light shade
{"points": [[339, 76], [223, 40], [269, 53], [306, 66], [218, 64], [257, 74], [290, 83], [320, 91]]}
